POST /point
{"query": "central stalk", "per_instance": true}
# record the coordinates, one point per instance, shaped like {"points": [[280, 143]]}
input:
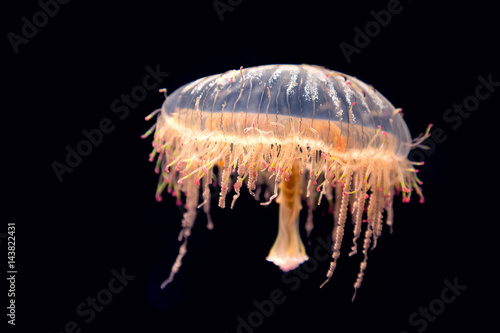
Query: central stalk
{"points": [[288, 251]]}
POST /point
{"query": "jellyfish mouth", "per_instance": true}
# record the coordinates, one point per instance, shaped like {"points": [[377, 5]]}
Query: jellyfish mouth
{"points": [[287, 264], [288, 251]]}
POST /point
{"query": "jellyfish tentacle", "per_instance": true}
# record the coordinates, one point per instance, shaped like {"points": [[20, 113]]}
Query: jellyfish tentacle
{"points": [[390, 212], [189, 217], [358, 214], [372, 213], [377, 211], [207, 180], [224, 181], [242, 173], [339, 232]]}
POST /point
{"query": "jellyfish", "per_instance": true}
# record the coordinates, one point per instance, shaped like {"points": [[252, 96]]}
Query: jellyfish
{"points": [[291, 134]]}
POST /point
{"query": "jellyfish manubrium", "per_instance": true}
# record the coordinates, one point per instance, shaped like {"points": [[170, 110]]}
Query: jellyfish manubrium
{"points": [[299, 131]]}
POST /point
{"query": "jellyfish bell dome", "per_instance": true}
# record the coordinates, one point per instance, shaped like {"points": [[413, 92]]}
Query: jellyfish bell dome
{"points": [[270, 95]]}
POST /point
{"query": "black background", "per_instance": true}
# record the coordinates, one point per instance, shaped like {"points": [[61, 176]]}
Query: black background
{"points": [[103, 215]]}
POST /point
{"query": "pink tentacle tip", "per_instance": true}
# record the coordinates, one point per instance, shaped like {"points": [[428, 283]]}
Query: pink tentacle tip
{"points": [[178, 202], [179, 182], [158, 197]]}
